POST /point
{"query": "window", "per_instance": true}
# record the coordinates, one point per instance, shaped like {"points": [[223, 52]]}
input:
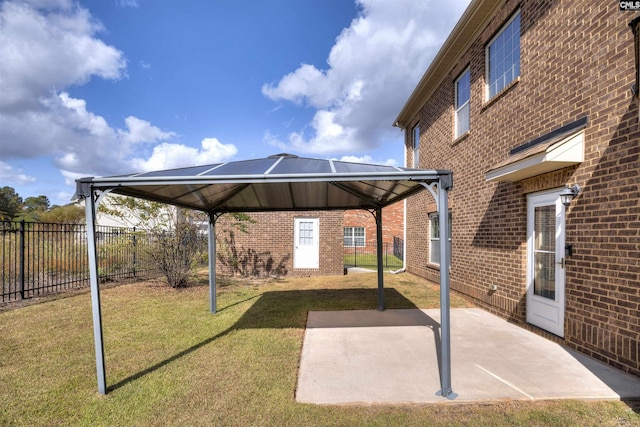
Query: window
{"points": [[354, 236], [503, 57], [305, 233], [415, 139], [434, 238], [462, 95]]}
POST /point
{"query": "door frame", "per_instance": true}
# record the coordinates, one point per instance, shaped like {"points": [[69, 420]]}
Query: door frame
{"points": [[542, 311], [302, 260]]}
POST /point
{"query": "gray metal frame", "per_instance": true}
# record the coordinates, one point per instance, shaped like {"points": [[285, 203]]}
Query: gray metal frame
{"points": [[160, 186]]}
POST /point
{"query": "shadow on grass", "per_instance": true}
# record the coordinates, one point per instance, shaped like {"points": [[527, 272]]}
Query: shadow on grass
{"points": [[288, 309]]}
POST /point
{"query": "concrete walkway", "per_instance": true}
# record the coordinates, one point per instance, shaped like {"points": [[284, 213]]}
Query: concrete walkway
{"points": [[363, 356]]}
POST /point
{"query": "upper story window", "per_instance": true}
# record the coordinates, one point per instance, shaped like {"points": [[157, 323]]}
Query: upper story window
{"points": [[462, 97], [415, 141], [503, 57]]}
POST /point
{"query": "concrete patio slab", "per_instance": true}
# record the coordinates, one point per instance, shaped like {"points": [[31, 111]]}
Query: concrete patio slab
{"points": [[363, 356]]}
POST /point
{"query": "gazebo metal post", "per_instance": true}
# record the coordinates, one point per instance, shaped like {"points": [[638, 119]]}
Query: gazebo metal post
{"points": [[444, 185], [378, 215], [90, 212], [445, 325], [212, 264]]}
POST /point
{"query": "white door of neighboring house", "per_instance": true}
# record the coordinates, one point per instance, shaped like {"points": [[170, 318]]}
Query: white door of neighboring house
{"points": [[545, 261], [306, 243]]}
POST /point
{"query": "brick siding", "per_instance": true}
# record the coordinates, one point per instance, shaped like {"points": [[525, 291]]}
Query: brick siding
{"points": [[266, 249], [577, 60], [392, 222]]}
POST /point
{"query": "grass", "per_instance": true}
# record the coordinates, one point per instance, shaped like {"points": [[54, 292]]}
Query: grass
{"points": [[170, 362], [370, 261]]}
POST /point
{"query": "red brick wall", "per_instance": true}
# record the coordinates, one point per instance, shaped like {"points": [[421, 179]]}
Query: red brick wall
{"points": [[266, 249], [392, 223], [576, 60]]}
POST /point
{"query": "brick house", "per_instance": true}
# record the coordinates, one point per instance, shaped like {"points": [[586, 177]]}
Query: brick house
{"points": [[524, 99], [268, 248], [258, 251], [360, 226]]}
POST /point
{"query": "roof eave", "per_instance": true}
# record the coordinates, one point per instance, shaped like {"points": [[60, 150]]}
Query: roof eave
{"points": [[102, 182], [473, 21]]}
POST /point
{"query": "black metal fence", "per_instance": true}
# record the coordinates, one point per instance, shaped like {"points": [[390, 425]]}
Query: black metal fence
{"points": [[365, 256], [40, 258]]}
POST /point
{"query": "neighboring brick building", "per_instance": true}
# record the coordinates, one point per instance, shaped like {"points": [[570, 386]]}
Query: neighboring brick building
{"points": [[268, 248], [524, 98], [360, 225]]}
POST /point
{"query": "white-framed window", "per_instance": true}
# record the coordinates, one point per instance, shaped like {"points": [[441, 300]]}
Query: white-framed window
{"points": [[354, 236], [415, 142], [503, 57], [462, 100], [434, 238]]}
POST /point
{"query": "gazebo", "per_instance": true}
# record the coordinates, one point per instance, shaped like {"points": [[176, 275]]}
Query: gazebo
{"points": [[282, 182]]}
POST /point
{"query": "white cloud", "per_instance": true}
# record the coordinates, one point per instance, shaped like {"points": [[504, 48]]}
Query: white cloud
{"points": [[167, 156], [47, 46], [368, 160], [142, 131], [372, 69], [70, 177], [127, 3], [12, 175]]}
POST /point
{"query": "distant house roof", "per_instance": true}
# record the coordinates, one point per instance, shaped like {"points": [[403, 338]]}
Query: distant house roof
{"points": [[279, 182]]}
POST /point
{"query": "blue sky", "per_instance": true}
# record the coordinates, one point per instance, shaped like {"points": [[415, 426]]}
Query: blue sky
{"points": [[104, 87]]}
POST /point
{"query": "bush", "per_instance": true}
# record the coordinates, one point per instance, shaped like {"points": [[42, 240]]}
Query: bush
{"points": [[176, 253]]}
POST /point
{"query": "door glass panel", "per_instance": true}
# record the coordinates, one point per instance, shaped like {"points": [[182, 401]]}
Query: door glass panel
{"points": [[305, 237], [544, 252]]}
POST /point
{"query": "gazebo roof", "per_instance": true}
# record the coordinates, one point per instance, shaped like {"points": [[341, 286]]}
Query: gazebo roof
{"points": [[279, 182], [276, 183]]}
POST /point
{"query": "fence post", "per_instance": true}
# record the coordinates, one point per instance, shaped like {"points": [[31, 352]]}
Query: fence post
{"points": [[22, 251], [355, 254], [134, 251], [386, 254]]}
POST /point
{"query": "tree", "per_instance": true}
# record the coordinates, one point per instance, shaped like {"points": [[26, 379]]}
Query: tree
{"points": [[36, 204], [10, 203], [67, 214]]}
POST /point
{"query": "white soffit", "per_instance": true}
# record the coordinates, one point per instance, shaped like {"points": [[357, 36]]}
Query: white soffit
{"points": [[540, 159]]}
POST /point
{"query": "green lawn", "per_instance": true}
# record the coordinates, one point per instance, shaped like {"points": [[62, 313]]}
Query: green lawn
{"points": [[170, 362], [370, 261]]}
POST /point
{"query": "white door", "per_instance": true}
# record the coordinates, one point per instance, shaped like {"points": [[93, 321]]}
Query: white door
{"points": [[306, 243], [545, 262]]}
